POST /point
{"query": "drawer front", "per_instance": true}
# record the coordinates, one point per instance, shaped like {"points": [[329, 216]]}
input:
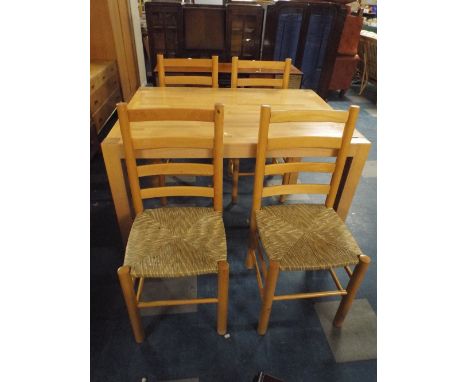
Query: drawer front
{"points": [[102, 93], [97, 80], [103, 113]]}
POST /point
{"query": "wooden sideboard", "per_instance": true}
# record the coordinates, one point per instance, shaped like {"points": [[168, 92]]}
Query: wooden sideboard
{"points": [[105, 91], [111, 39], [307, 31]]}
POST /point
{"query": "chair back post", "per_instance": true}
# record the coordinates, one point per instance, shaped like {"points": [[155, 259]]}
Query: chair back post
{"points": [[130, 159], [214, 71], [265, 114], [235, 63], [287, 71], [342, 155], [218, 152], [161, 70]]}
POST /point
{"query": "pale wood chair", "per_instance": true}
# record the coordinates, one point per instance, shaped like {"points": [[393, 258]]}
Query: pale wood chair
{"points": [[172, 242], [184, 64], [281, 83], [302, 237], [263, 68]]}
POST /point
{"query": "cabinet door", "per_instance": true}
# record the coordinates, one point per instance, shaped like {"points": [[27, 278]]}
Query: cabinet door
{"points": [[321, 20], [164, 23], [309, 33], [244, 31], [284, 27], [204, 30]]}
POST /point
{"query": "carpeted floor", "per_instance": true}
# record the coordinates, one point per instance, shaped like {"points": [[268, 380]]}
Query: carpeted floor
{"points": [[182, 343]]}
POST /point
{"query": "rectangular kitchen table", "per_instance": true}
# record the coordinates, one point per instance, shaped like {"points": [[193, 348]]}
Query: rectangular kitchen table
{"points": [[241, 120]]}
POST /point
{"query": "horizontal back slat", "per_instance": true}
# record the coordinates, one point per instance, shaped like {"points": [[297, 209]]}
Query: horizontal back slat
{"points": [[198, 169], [142, 115], [158, 192], [260, 82], [296, 189], [338, 116], [299, 152], [186, 62], [248, 64], [188, 80], [293, 142], [282, 168], [173, 142]]}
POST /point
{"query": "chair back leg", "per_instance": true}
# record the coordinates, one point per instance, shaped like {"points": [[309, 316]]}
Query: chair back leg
{"points": [[235, 181]]}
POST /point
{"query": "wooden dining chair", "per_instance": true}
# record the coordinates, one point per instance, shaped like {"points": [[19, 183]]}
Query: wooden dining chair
{"points": [[302, 237], [171, 242], [282, 83], [184, 64], [262, 67]]}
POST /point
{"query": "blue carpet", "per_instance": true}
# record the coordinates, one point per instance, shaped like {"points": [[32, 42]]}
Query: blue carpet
{"points": [[186, 345]]}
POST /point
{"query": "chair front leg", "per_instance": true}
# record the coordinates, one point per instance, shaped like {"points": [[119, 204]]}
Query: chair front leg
{"points": [[352, 288], [128, 291], [268, 294], [223, 290]]}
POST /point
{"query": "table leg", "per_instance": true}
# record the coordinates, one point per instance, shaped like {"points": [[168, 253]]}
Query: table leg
{"points": [[350, 180], [115, 175]]}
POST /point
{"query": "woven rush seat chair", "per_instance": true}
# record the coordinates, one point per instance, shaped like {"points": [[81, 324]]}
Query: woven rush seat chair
{"points": [[302, 237], [171, 242], [279, 83], [305, 237], [176, 242]]}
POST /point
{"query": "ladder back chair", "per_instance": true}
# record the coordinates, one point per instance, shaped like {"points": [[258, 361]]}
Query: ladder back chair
{"points": [[281, 83], [184, 64], [171, 242], [302, 237]]}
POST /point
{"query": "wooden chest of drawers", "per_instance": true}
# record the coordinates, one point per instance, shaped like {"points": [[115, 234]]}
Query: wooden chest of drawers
{"points": [[105, 91]]}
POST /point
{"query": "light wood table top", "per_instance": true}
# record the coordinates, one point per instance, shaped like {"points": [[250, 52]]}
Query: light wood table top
{"points": [[241, 117]]}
